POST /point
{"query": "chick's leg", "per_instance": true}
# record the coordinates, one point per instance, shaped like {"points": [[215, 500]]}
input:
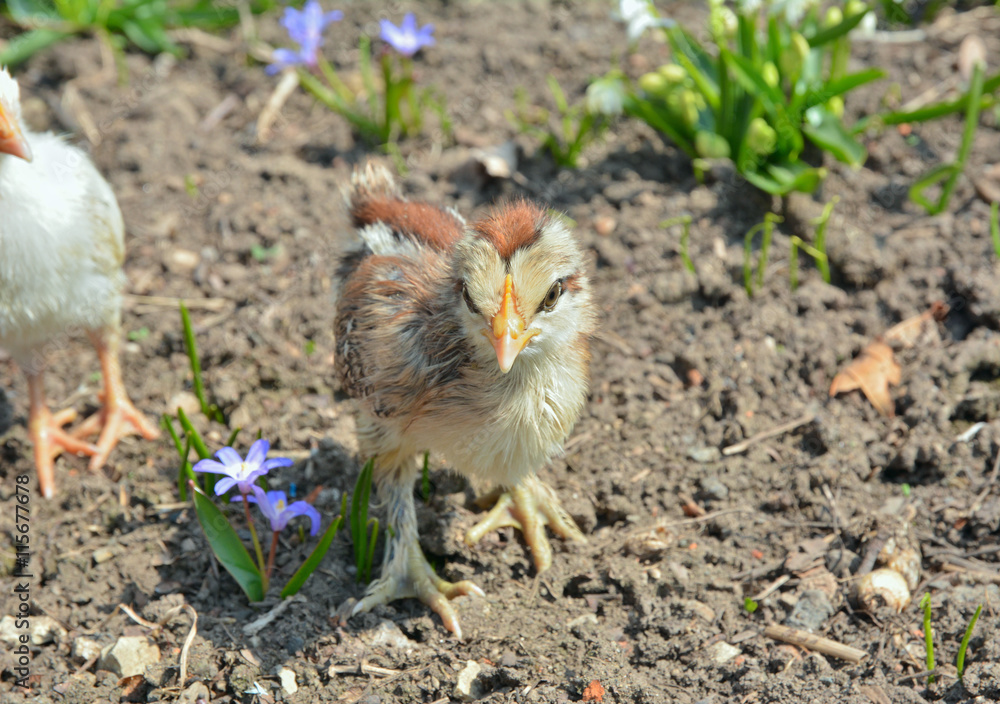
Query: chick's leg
{"points": [[405, 570], [118, 417], [530, 506], [48, 436]]}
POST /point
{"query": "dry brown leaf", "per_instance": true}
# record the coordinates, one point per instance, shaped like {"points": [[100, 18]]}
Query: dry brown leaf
{"points": [[914, 329], [873, 371]]}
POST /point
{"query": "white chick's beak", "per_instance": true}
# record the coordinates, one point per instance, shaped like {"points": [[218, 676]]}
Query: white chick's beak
{"points": [[506, 331], [12, 139]]}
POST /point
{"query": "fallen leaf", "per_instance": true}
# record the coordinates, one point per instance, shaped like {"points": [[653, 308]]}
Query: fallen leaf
{"points": [[133, 688], [873, 371], [916, 328], [593, 692]]}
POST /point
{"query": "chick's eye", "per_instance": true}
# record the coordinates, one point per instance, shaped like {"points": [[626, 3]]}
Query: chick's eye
{"points": [[549, 302], [468, 300]]}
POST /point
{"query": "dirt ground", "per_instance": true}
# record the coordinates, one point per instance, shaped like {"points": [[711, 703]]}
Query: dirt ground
{"points": [[685, 365]]}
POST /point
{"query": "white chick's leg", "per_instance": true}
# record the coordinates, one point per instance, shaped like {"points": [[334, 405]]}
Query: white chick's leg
{"points": [[529, 507], [48, 436], [405, 570], [118, 417]]}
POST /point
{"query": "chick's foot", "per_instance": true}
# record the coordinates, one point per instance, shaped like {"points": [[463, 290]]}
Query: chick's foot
{"points": [[48, 437], [529, 507], [406, 572], [118, 417]]}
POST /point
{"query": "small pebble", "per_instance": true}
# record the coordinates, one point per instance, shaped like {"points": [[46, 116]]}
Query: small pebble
{"points": [[466, 687], [605, 225]]}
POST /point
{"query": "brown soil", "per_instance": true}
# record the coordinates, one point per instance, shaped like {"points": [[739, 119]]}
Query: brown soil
{"points": [[684, 366]]}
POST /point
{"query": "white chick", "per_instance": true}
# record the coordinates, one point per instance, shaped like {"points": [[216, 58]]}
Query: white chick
{"points": [[62, 245]]}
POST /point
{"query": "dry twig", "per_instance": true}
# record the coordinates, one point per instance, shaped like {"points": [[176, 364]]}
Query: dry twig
{"points": [[778, 430], [807, 640]]}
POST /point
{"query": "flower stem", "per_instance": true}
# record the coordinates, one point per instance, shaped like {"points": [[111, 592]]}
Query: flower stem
{"points": [[343, 92], [270, 556], [256, 542]]}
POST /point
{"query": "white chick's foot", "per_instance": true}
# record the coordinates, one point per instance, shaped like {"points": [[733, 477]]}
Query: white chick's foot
{"points": [[47, 435], [114, 421], [408, 574], [529, 507], [118, 417]]}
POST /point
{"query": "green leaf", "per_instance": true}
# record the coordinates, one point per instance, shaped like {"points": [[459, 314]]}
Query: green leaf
{"points": [[30, 11], [699, 66], [647, 112], [837, 31], [312, 562], [24, 46], [779, 179], [827, 132], [842, 85], [227, 547], [932, 112]]}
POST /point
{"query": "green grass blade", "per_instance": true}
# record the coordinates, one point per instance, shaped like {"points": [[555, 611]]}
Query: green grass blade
{"points": [[368, 80], [184, 473], [685, 222], [211, 412], [167, 423], [227, 547], [196, 442], [932, 112], [925, 604], [823, 262], [359, 515], [765, 246], [312, 562], [960, 660]]}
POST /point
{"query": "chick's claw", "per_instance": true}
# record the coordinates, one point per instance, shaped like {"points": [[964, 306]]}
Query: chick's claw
{"points": [[49, 439], [408, 574], [119, 417], [529, 507]]}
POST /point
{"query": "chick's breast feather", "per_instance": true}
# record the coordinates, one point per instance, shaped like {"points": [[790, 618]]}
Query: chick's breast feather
{"points": [[62, 246]]}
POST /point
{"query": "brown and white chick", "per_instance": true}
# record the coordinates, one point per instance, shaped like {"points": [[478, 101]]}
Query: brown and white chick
{"points": [[471, 341], [62, 245]]}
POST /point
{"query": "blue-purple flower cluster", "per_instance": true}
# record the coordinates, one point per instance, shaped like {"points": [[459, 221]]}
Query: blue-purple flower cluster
{"points": [[305, 27], [244, 473]]}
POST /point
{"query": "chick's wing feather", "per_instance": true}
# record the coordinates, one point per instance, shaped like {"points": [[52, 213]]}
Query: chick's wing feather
{"points": [[398, 343]]}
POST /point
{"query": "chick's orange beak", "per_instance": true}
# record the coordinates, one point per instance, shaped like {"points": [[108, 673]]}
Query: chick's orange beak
{"points": [[507, 333], [12, 140]]}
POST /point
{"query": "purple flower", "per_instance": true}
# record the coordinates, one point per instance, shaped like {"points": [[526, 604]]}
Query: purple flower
{"points": [[239, 472], [278, 511], [305, 27], [407, 39]]}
